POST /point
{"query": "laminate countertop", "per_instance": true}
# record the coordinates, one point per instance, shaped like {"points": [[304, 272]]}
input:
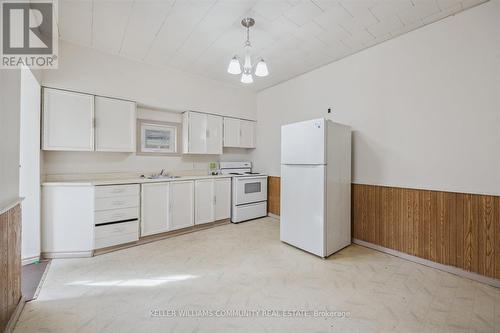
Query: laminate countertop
{"points": [[121, 181]]}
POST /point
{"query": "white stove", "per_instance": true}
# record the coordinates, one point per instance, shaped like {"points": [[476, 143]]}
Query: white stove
{"points": [[249, 191]]}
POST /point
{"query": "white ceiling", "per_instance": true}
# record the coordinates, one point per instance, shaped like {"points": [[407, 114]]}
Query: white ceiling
{"points": [[201, 36]]}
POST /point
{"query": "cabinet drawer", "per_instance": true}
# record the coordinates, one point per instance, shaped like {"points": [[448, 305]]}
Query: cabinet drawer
{"points": [[249, 211], [114, 234], [116, 202], [109, 191], [114, 215]]}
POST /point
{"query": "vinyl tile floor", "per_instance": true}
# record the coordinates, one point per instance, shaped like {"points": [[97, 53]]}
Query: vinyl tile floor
{"points": [[241, 278]]}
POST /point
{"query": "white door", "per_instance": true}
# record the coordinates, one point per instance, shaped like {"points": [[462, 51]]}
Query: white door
{"points": [[68, 120], [204, 201], [247, 129], [222, 193], [197, 133], [154, 208], [181, 205], [214, 134], [303, 207], [114, 125], [29, 160], [304, 142], [231, 132]]}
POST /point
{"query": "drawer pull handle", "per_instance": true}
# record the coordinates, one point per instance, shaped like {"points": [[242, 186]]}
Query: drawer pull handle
{"points": [[118, 203]]}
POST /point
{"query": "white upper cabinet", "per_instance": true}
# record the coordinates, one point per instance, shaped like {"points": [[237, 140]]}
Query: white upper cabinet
{"points": [[222, 202], [115, 125], [195, 131], [231, 132], [214, 134], [212, 200], [181, 205], [202, 133], [247, 133], [68, 120], [155, 208], [239, 133]]}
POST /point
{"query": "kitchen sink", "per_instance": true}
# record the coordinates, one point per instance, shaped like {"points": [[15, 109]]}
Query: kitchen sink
{"points": [[162, 177]]}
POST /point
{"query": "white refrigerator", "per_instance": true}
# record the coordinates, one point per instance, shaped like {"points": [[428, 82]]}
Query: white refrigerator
{"points": [[316, 186]]}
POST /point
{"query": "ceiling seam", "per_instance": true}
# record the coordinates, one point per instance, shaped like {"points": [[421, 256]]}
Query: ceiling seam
{"points": [[191, 33], [126, 25], [167, 15], [92, 24]]}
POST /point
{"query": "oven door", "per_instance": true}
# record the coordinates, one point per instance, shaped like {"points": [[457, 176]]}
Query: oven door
{"points": [[250, 189]]}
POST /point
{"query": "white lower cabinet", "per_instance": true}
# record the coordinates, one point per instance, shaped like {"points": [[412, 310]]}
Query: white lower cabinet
{"points": [[116, 233], [78, 219], [181, 205], [166, 206], [204, 201], [116, 213], [155, 208], [222, 193], [212, 200], [67, 221]]}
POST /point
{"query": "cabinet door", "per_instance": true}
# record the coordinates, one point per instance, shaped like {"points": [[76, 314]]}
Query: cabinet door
{"points": [[247, 133], [231, 132], [154, 208], [197, 133], [204, 201], [68, 120], [222, 191], [214, 134], [114, 125], [181, 205]]}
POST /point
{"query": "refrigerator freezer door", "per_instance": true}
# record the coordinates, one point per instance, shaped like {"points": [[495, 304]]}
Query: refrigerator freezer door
{"points": [[303, 142], [303, 207]]}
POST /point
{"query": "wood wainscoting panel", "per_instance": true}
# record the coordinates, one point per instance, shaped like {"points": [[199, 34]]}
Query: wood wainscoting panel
{"points": [[10, 263], [456, 229], [273, 195]]}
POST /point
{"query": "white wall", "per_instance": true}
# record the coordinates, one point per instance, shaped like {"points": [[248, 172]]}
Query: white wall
{"points": [[29, 174], [87, 70], [99, 162], [424, 107], [10, 85]]}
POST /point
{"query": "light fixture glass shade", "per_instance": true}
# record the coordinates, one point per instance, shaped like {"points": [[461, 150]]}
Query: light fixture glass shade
{"points": [[261, 69], [246, 77], [234, 66], [247, 65]]}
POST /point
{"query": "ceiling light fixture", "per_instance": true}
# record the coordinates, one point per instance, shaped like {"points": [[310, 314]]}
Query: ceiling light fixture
{"points": [[235, 65]]}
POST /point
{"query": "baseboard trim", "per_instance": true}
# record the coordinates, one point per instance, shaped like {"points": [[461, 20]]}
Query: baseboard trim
{"points": [[30, 260], [274, 216], [63, 255], [11, 324], [450, 269]]}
